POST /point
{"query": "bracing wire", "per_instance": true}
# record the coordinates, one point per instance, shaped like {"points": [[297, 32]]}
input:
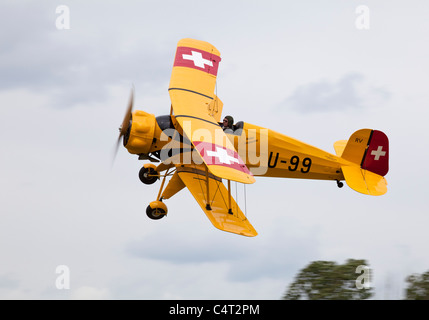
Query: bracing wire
{"points": [[236, 196], [245, 201], [245, 197]]}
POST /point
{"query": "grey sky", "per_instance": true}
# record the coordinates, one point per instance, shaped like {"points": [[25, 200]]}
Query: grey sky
{"points": [[302, 69], [349, 92]]}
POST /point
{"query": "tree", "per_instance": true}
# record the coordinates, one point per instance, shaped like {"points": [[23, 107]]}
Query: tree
{"points": [[326, 280], [418, 288]]}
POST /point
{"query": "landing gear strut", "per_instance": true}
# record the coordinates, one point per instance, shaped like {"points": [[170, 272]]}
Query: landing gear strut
{"points": [[149, 174]]}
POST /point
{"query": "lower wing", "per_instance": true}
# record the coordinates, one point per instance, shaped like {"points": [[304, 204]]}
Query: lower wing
{"points": [[215, 200]]}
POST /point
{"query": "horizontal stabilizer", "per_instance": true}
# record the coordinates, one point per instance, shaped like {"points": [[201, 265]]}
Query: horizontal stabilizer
{"points": [[364, 181], [339, 147]]}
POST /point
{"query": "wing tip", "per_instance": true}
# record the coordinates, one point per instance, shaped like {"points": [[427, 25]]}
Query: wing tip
{"points": [[198, 44]]}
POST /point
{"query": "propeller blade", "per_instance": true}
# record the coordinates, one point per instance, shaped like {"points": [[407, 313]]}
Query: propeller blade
{"points": [[128, 114], [125, 123], [115, 151]]}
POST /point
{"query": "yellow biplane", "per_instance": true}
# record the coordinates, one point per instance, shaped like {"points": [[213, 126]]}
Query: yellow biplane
{"points": [[195, 151]]}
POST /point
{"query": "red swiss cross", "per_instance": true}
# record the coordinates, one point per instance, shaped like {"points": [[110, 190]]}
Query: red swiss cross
{"points": [[377, 155], [214, 154], [197, 59]]}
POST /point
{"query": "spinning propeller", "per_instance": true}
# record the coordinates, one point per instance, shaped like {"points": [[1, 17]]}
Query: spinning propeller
{"points": [[125, 123]]}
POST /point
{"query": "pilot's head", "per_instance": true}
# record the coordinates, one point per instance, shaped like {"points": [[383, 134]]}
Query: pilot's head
{"points": [[228, 121]]}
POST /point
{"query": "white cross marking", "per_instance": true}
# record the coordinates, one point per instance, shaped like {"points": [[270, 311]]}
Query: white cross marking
{"points": [[222, 155], [198, 59], [378, 153]]}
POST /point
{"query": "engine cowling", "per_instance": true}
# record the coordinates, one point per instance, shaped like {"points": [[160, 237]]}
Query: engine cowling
{"points": [[141, 133]]}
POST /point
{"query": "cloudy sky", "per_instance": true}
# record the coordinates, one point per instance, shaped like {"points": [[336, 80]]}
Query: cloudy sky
{"points": [[306, 69]]}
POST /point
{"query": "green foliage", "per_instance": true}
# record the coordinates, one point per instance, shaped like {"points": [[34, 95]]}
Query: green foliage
{"points": [[326, 280], [418, 288]]}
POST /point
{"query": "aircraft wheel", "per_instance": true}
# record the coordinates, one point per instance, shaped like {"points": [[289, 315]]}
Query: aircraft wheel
{"points": [[148, 175], [156, 210], [340, 184]]}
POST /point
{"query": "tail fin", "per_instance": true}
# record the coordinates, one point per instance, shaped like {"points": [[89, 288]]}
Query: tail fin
{"points": [[369, 151]]}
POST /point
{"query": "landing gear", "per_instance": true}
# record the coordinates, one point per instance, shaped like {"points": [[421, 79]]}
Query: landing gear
{"points": [[148, 174], [156, 210], [340, 184]]}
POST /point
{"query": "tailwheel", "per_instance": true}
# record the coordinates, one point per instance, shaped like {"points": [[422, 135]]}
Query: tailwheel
{"points": [[148, 174], [339, 184], [156, 210]]}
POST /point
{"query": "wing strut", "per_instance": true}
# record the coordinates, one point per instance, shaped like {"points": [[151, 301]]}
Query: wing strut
{"points": [[229, 197], [208, 207], [162, 185]]}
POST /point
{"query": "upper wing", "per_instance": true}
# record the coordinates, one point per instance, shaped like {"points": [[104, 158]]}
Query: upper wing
{"points": [[195, 68], [194, 103], [215, 200], [215, 108]]}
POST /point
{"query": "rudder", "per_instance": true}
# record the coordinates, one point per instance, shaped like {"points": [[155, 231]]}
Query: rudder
{"points": [[369, 149]]}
